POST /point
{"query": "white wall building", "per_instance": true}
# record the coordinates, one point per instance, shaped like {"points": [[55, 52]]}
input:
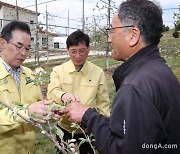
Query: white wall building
{"points": [[60, 42], [8, 13]]}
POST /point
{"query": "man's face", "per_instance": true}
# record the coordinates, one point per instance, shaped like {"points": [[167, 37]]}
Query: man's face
{"points": [[16, 50], [78, 54], [118, 40]]}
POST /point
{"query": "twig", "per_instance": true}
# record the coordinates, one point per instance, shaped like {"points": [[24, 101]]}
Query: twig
{"points": [[50, 129], [43, 131], [87, 137], [50, 132]]}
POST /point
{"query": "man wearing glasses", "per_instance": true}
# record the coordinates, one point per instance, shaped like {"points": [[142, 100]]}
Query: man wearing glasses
{"points": [[145, 117], [79, 80], [17, 136]]}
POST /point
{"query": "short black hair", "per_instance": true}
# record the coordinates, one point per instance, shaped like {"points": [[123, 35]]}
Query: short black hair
{"points": [[145, 15], [6, 32], [77, 37]]}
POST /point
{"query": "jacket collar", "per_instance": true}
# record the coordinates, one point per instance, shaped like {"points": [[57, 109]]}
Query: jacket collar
{"points": [[122, 71], [72, 69], [9, 69], [4, 73]]}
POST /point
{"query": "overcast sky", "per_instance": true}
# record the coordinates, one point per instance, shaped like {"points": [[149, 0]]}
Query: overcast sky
{"points": [[60, 8]]}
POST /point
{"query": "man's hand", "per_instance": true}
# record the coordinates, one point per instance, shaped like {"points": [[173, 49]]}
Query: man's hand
{"points": [[40, 110], [75, 111], [68, 96]]}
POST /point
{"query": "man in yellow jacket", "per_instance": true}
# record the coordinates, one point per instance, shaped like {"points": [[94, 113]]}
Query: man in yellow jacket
{"points": [[16, 86], [79, 79]]}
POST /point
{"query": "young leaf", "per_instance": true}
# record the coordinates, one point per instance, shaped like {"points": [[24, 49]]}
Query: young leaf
{"points": [[6, 111], [14, 117], [82, 141], [59, 132], [93, 140], [68, 102], [74, 125], [33, 116], [11, 115], [73, 132], [1, 105], [56, 106], [17, 103]]}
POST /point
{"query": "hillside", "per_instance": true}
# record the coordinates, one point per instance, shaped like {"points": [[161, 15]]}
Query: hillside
{"points": [[169, 43], [170, 49]]}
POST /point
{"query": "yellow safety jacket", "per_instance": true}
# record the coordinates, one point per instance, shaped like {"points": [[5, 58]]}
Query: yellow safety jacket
{"points": [[89, 84], [17, 136]]}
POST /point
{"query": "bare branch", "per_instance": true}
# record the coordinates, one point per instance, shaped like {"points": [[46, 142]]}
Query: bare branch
{"points": [[43, 131]]}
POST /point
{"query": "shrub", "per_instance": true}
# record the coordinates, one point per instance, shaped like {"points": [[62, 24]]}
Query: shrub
{"points": [[175, 34]]}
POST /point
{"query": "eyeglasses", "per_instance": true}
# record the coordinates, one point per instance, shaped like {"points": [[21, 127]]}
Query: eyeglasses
{"points": [[110, 30], [20, 47], [81, 52]]}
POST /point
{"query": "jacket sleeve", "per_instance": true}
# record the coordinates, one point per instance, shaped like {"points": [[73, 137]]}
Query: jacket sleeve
{"points": [[103, 104], [133, 122], [29, 94], [7, 121], [54, 87]]}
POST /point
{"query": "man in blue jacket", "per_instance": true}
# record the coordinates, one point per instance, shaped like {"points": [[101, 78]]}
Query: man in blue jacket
{"points": [[145, 115]]}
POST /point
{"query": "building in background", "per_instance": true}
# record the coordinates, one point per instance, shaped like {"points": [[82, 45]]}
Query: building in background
{"points": [[60, 42], [9, 12]]}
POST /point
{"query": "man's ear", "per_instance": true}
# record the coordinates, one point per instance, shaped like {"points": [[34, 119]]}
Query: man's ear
{"points": [[2, 43], [135, 35]]}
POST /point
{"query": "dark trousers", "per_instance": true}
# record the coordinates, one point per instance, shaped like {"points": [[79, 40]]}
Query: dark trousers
{"points": [[85, 148]]}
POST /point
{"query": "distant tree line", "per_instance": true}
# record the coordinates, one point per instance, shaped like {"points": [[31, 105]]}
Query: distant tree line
{"points": [[165, 28], [176, 32]]}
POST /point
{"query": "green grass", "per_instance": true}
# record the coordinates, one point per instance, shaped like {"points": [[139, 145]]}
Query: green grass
{"points": [[43, 145], [170, 49], [102, 63], [169, 46], [47, 66], [111, 87], [175, 66]]}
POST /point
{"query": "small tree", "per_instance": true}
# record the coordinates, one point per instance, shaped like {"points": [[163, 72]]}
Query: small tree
{"points": [[175, 34], [165, 28], [177, 24], [98, 33]]}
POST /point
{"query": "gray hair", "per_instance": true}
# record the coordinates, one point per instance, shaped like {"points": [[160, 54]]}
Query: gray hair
{"points": [[144, 14]]}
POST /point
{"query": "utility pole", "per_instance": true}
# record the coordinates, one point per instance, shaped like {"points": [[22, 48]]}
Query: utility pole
{"points": [[47, 42], [95, 30], [17, 14], [68, 24], [36, 31], [83, 22], [108, 25]]}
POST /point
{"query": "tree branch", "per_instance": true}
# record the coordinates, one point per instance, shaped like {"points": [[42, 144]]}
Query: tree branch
{"points": [[43, 131]]}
